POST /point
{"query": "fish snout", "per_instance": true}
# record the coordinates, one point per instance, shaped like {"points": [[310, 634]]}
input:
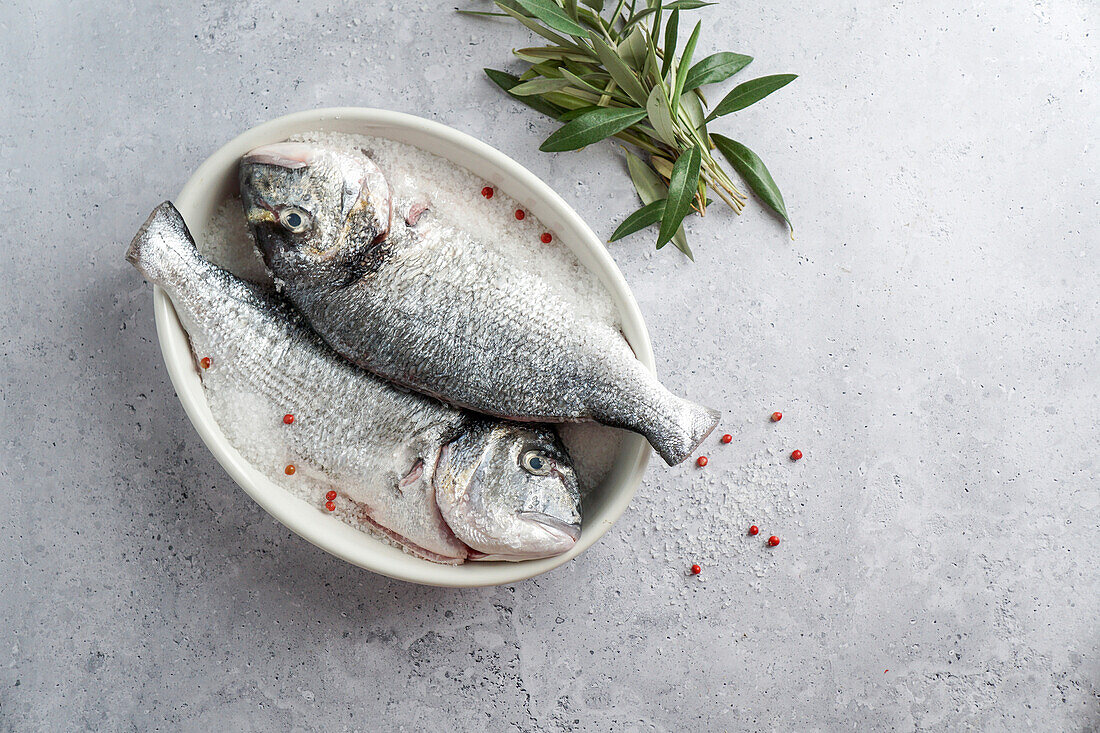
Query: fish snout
{"points": [[563, 532], [285, 155]]}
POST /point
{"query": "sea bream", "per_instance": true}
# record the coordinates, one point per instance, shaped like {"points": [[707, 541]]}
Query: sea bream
{"points": [[445, 484], [425, 306]]}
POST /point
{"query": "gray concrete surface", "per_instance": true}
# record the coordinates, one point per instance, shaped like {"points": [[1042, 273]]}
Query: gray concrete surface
{"points": [[931, 334]]}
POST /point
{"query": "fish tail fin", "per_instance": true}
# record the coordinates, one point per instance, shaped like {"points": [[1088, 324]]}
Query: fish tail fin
{"points": [[162, 244], [682, 427]]}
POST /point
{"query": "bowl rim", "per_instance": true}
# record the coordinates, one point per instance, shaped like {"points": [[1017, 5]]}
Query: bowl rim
{"points": [[299, 516]]}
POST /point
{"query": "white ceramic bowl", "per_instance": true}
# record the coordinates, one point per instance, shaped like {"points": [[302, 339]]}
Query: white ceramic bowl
{"points": [[216, 179]]}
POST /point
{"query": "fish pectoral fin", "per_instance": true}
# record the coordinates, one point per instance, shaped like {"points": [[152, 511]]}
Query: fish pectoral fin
{"points": [[412, 475], [417, 210]]}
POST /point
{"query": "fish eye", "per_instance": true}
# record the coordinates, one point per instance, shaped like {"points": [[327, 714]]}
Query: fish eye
{"points": [[535, 462], [294, 219]]}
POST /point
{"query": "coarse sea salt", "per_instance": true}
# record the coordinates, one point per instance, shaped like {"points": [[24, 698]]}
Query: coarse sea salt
{"points": [[454, 196]]}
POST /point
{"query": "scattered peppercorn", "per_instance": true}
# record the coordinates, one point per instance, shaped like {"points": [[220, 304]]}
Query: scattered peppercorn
{"points": [[290, 469], [695, 570], [288, 418], [546, 237], [796, 455], [331, 495], [727, 438], [520, 214], [487, 192], [754, 530], [777, 416], [701, 461], [205, 362], [773, 541], [330, 505]]}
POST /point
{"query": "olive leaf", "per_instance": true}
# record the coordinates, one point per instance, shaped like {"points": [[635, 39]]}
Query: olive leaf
{"points": [[596, 5], [568, 99], [532, 25], [591, 127], [646, 216], [687, 5], [651, 188], [663, 166], [681, 71], [553, 16], [552, 52], [633, 49], [715, 68], [749, 166], [575, 113], [584, 84], [481, 13], [693, 107], [681, 192], [637, 18], [657, 109], [618, 69], [749, 93], [539, 86], [671, 29], [506, 81]]}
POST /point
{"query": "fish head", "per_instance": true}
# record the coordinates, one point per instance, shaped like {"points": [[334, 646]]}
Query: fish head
{"points": [[509, 490], [315, 211]]}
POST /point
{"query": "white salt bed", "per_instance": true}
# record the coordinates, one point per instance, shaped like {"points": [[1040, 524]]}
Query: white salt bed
{"points": [[454, 196]]}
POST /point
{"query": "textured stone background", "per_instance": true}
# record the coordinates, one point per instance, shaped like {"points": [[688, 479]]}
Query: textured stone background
{"points": [[931, 334]]}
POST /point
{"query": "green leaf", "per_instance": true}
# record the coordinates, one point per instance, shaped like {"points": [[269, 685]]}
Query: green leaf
{"points": [[656, 21], [749, 93], [687, 5], [657, 107], [553, 16], [749, 166], [580, 83], [650, 72], [614, 17], [635, 19], [651, 188], [671, 29], [681, 191], [571, 9], [596, 5], [693, 108], [506, 82], [532, 25], [649, 185], [590, 20], [591, 127], [539, 86], [646, 216], [575, 113], [715, 68], [553, 52], [549, 69], [633, 49], [480, 12], [568, 99], [618, 69], [588, 70], [681, 71]]}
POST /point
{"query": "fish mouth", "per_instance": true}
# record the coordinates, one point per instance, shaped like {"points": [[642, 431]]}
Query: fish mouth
{"points": [[564, 531]]}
